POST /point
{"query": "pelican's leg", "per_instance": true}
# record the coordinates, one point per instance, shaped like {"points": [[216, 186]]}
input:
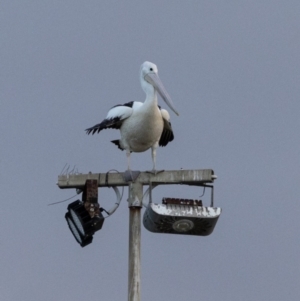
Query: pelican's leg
{"points": [[130, 175], [128, 158], [153, 154]]}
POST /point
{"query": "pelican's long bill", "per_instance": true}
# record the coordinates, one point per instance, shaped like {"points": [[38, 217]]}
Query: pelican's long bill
{"points": [[154, 80]]}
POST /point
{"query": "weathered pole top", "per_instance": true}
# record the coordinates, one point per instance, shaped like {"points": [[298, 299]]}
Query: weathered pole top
{"points": [[187, 177]]}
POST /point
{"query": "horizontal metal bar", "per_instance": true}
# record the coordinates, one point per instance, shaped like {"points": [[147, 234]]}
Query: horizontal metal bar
{"points": [[187, 177]]}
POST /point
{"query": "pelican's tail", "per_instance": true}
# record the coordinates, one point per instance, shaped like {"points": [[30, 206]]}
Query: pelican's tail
{"points": [[117, 143]]}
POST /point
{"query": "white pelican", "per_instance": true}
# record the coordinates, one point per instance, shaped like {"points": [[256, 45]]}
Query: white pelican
{"points": [[142, 125]]}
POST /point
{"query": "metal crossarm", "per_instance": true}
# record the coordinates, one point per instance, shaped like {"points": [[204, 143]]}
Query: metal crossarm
{"points": [[187, 177]]}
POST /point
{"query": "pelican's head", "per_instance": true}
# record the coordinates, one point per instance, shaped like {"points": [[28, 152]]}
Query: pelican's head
{"points": [[150, 80]]}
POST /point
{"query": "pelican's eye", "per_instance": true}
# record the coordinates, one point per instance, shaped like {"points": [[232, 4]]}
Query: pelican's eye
{"points": [[151, 69]]}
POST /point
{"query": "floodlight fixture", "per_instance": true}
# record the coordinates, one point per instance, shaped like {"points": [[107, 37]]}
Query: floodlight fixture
{"points": [[85, 217], [81, 224]]}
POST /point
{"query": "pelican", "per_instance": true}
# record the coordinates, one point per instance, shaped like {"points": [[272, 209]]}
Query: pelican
{"points": [[142, 125]]}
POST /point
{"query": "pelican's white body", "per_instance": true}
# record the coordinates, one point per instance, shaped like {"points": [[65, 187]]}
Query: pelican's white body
{"points": [[143, 129]]}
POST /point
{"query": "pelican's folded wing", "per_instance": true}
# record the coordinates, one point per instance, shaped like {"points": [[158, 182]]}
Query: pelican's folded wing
{"points": [[167, 133]]}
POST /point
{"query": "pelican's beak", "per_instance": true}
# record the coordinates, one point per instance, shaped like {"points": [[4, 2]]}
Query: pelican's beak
{"points": [[155, 81]]}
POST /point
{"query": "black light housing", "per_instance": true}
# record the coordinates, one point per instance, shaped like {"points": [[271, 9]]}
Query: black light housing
{"points": [[84, 217], [83, 240]]}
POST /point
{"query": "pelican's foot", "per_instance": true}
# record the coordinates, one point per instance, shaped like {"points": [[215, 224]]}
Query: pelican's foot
{"points": [[131, 175], [155, 172]]}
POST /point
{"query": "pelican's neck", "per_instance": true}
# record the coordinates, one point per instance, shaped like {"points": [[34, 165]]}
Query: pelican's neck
{"points": [[151, 94], [151, 98]]}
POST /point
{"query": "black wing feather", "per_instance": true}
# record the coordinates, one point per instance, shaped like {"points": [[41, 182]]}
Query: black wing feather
{"points": [[167, 134], [113, 123]]}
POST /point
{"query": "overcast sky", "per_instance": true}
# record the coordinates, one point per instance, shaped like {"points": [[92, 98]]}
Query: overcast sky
{"points": [[233, 71]]}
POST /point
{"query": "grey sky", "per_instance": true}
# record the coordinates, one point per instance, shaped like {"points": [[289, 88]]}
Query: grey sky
{"points": [[232, 69]]}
